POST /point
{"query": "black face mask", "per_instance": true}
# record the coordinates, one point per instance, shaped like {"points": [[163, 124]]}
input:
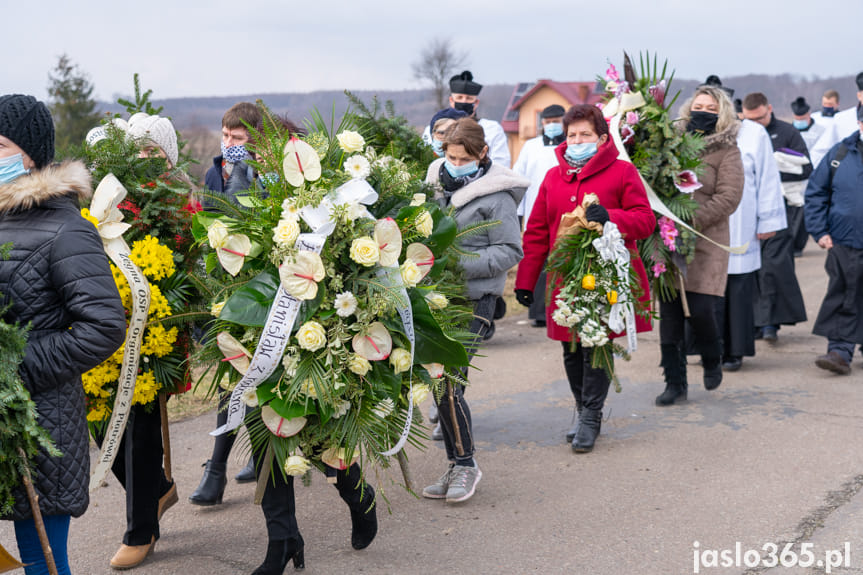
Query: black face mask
{"points": [[465, 107], [703, 123], [828, 111]]}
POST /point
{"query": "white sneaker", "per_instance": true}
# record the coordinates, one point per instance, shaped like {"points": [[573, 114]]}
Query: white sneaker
{"points": [[439, 489], [462, 484]]}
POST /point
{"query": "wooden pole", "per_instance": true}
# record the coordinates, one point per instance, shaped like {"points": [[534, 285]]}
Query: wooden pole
{"points": [[37, 518], [166, 434], [406, 469]]}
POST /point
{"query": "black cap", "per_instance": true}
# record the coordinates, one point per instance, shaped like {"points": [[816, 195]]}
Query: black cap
{"points": [[463, 84], [446, 113], [738, 106], [859, 80], [799, 106], [713, 80], [27, 122], [553, 111]]}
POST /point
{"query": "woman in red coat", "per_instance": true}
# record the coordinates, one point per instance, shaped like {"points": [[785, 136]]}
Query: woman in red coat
{"points": [[587, 164]]}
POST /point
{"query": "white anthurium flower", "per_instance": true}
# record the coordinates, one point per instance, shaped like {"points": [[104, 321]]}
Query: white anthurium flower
{"points": [[389, 239], [301, 163], [234, 352], [422, 256], [280, 426], [375, 345], [418, 200], [435, 370], [300, 277], [335, 458], [231, 249]]}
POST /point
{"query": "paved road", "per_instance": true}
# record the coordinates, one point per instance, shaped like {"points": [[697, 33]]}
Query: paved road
{"points": [[772, 456]]}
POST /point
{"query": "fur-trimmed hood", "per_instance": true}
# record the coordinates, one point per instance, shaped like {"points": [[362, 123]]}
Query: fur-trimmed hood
{"points": [[497, 179], [723, 139], [46, 184]]}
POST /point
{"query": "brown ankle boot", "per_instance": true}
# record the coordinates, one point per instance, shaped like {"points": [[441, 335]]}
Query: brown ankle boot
{"points": [[167, 500], [129, 556]]}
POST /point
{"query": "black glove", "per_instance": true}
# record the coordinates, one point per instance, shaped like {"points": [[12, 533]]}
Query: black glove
{"points": [[524, 297], [596, 213]]}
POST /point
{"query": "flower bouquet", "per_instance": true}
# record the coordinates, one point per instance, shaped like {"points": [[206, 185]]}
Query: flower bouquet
{"points": [[599, 291], [668, 160], [334, 310], [152, 212]]}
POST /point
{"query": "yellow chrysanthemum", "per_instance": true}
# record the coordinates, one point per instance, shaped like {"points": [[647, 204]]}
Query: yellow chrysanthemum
{"points": [[122, 286], [146, 388], [99, 411], [154, 259], [159, 307], [159, 341], [85, 213]]}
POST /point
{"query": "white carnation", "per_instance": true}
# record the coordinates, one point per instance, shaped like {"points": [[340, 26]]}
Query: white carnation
{"points": [[346, 304], [357, 167]]}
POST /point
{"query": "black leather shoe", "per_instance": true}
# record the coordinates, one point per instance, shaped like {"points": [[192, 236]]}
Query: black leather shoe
{"points": [[732, 364], [279, 552], [247, 474], [212, 486], [712, 376], [588, 431], [364, 520]]}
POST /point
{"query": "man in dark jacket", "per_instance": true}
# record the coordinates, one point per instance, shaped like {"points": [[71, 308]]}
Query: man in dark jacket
{"points": [[779, 299], [834, 217], [229, 172], [56, 278]]}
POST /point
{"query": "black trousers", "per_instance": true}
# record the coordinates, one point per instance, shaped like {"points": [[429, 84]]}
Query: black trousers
{"points": [[797, 225], [453, 410], [138, 468], [280, 507], [702, 320], [739, 315], [536, 311], [589, 385], [779, 300], [840, 318]]}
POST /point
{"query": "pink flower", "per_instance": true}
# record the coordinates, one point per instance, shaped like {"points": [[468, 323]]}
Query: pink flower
{"points": [[622, 88], [659, 269], [626, 134], [668, 232], [658, 92], [632, 118], [611, 74], [687, 182]]}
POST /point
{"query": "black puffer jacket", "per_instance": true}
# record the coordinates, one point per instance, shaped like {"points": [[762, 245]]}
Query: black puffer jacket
{"points": [[57, 280]]}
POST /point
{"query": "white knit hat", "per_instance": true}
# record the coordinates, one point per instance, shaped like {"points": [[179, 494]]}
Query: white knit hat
{"points": [[156, 129]]}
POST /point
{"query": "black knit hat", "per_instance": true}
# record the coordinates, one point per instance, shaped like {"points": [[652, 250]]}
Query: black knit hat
{"points": [[27, 122], [463, 84], [799, 106]]}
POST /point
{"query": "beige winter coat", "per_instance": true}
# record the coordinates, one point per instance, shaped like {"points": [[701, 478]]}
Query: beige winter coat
{"points": [[722, 179]]}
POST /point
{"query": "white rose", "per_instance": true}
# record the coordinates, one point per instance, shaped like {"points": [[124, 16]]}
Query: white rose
{"points": [[250, 397], [217, 233], [436, 300], [345, 304], [400, 359], [419, 393], [365, 251], [351, 142], [411, 274], [418, 200], [312, 336], [359, 365], [424, 224], [286, 233], [296, 465], [216, 309]]}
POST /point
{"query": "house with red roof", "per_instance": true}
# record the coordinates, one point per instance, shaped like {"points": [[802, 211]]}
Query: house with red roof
{"points": [[521, 119]]}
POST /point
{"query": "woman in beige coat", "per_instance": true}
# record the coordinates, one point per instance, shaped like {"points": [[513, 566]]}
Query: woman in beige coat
{"points": [[709, 113]]}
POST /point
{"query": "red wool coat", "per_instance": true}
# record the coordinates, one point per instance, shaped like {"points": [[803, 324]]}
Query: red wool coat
{"points": [[618, 186]]}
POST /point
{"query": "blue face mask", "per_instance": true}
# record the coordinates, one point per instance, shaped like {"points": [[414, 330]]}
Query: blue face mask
{"points": [[11, 168], [461, 171], [800, 124], [437, 146], [553, 130], [580, 152]]}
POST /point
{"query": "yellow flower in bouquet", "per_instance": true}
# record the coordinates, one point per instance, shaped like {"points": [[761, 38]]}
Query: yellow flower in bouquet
{"points": [[85, 213], [98, 411], [146, 388], [159, 341], [296, 465], [154, 259], [159, 307], [122, 286]]}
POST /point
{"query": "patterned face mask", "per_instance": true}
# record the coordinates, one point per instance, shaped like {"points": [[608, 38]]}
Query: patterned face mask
{"points": [[234, 154]]}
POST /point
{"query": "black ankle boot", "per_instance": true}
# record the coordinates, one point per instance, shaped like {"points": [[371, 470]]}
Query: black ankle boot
{"points": [[247, 474], [360, 497], [212, 486], [279, 552], [674, 365], [712, 373], [591, 423], [570, 435]]}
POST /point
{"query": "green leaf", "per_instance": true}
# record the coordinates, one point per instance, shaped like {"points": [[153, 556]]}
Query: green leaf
{"points": [[200, 223], [386, 380], [250, 304], [445, 230], [212, 262], [432, 344], [309, 308]]}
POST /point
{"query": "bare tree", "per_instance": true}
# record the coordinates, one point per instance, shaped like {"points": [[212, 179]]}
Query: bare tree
{"points": [[437, 62]]}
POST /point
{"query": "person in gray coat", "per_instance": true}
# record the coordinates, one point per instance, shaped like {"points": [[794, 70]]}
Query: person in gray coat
{"points": [[476, 190], [56, 279]]}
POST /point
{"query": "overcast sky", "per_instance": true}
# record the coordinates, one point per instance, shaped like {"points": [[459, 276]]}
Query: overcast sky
{"points": [[226, 48]]}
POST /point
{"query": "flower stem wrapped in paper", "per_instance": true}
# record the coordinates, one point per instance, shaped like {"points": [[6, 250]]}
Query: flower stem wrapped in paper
{"points": [[599, 292]]}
